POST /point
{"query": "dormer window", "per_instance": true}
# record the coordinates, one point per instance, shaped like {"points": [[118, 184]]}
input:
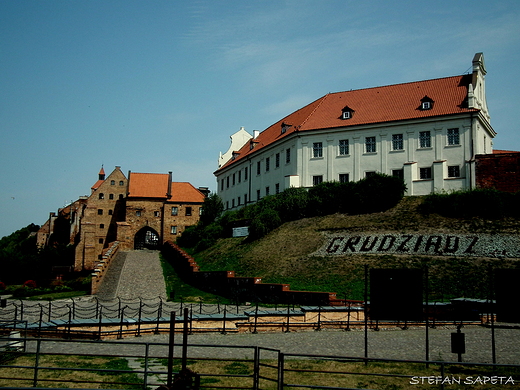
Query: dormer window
{"points": [[235, 155], [285, 127], [426, 103], [347, 113]]}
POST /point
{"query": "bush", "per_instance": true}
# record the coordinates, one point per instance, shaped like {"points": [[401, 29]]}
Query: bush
{"points": [[29, 284], [378, 193], [483, 203], [263, 223], [2, 286]]}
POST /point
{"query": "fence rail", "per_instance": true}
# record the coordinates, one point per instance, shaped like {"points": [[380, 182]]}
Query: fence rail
{"points": [[39, 362]]}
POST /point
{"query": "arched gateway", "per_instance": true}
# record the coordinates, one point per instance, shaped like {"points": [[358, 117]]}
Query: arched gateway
{"points": [[146, 238]]}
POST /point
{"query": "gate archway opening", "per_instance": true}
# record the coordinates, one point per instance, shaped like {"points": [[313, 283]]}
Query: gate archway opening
{"points": [[146, 238]]}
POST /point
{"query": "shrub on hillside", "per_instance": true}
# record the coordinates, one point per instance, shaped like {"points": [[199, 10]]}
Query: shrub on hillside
{"points": [[483, 203], [264, 222], [29, 284], [376, 193]]}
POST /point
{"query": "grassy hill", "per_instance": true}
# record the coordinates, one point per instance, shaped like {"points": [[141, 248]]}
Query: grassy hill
{"points": [[285, 254]]}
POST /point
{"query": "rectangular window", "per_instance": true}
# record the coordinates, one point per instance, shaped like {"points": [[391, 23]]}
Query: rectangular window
{"points": [[370, 144], [257, 194], [188, 211], [227, 204], [277, 188], [343, 178], [425, 173], [370, 173], [398, 173], [245, 173], [234, 179], [453, 137], [425, 139], [156, 214], [233, 202], [173, 229], [110, 196], [267, 164], [138, 213], [227, 182], [343, 147], [267, 191], [277, 160], [239, 176], [287, 156], [175, 210], [317, 149], [258, 168], [317, 180], [453, 171], [100, 212], [397, 142], [101, 225], [222, 185], [238, 201]]}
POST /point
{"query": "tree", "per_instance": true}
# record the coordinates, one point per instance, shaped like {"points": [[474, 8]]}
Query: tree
{"points": [[211, 209]]}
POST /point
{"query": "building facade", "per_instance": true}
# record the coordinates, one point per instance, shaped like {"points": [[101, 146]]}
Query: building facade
{"points": [[140, 211], [426, 132]]}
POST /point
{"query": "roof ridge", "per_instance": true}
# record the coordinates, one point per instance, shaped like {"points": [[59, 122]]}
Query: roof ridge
{"points": [[396, 84], [322, 99]]}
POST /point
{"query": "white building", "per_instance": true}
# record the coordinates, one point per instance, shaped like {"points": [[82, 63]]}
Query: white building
{"points": [[427, 132]]}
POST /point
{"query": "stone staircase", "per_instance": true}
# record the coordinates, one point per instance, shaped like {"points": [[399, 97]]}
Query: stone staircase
{"points": [[133, 274]]}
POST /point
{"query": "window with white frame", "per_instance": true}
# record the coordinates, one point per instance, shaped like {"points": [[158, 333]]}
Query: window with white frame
{"points": [[398, 173], [453, 171], [370, 144], [343, 178], [175, 210], [425, 139], [425, 173], [173, 229], [318, 179], [343, 147], [397, 142], [453, 137], [317, 149]]}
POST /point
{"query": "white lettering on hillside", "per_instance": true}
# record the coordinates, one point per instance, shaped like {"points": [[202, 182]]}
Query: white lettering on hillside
{"points": [[482, 245]]}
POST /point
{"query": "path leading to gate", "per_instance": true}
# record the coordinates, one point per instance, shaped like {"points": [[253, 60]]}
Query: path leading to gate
{"points": [[134, 274]]}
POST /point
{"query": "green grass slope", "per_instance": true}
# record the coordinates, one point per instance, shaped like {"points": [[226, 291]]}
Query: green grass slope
{"points": [[285, 254]]}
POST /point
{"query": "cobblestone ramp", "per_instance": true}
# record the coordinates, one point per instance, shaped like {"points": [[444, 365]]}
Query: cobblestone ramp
{"points": [[108, 288], [135, 274]]}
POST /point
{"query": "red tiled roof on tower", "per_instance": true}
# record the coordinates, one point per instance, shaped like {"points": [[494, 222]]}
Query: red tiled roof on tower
{"points": [[148, 185], [185, 192], [448, 96]]}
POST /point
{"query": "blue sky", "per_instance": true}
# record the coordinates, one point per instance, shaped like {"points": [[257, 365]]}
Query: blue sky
{"points": [[158, 86]]}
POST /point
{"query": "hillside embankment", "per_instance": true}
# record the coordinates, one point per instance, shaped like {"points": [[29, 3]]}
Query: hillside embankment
{"points": [[290, 253]]}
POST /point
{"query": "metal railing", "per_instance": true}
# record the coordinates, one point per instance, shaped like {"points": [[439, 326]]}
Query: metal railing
{"points": [[230, 367]]}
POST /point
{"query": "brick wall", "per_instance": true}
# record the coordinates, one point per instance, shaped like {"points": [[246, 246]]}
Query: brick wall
{"points": [[499, 171]]}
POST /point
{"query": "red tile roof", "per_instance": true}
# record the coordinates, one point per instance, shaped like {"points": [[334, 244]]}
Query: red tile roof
{"points": [[372, 105], [497, 151], [97, 184], [185, 192], [155, 185], [148, 185]]}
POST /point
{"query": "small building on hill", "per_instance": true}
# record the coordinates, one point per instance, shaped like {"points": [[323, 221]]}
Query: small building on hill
{"points": [[426, 132], [142, 210]]}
